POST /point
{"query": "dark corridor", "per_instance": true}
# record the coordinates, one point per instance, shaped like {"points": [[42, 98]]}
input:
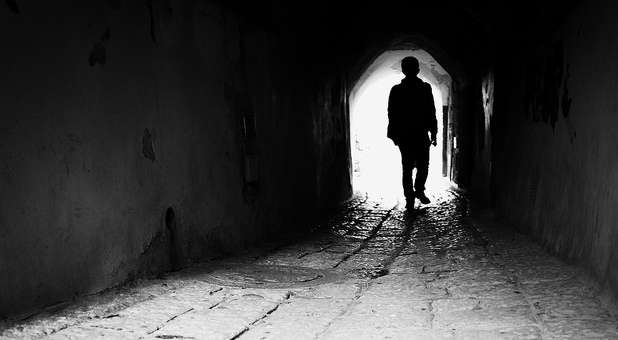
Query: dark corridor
{"points": [[147, 145]]}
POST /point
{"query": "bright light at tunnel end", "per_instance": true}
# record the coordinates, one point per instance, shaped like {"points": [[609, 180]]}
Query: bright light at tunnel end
{"points": [[376, 159]]}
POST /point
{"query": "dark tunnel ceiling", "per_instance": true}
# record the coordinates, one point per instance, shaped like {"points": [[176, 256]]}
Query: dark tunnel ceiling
{"points": [[466, 30], [488, 18], [396, 13]]}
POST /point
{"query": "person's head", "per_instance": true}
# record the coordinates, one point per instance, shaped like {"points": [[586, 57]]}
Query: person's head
{"points": [[410, 67]]}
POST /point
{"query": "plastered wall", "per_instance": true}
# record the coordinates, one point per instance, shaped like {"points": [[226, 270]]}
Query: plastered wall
{"points": [[556, 139], [137, 137]]}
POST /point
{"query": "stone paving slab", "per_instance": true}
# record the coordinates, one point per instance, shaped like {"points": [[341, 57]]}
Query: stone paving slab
{"points": [[508, 333], [321, 260], [374, 317], [592, 328], [223, 321], [557, 288], [299, 318], [346, 290], [85, 332], [479, 317], [381, 272]]}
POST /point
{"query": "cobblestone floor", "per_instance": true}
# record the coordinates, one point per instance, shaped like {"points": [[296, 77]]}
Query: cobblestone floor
{"points": [[375, 272]]}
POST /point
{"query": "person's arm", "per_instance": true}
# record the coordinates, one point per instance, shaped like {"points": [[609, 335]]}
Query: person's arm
{"points": [[391, 109], [391, 106], [431, 110]]}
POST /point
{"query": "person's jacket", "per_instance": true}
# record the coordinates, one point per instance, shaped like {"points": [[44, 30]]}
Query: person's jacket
{"points": [[411, 112]]}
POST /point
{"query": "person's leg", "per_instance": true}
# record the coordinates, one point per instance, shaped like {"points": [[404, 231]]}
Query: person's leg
{"points": [[407, 163], [421, 157]]}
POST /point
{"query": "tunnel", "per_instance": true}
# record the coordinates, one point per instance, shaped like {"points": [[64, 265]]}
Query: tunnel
{"points": [[209, 169]]}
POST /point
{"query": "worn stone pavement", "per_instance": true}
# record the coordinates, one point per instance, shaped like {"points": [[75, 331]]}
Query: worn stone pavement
{"points": [[374, 272]]}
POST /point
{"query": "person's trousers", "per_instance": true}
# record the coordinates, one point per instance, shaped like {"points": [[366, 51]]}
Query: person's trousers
{"points": [[414, 156]]}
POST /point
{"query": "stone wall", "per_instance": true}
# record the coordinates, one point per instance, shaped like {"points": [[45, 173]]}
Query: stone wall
{"points": [[136, 137], [556, 138]]}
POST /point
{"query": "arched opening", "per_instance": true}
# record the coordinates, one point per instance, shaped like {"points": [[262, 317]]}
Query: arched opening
{"points": [[376, 161]]}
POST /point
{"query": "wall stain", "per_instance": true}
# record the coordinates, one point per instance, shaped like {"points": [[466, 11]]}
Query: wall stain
{"points": [[106, 35], [566, 100], [544, 81], [171, 226], [12, 4], [566, 106], [114, 4], [151, 14], [153, 258], [239, 102], [98, 54], [148, 146], [547, 90]]}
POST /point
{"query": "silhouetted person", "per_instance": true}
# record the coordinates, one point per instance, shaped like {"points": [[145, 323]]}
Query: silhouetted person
{"points": [[412, 115]]}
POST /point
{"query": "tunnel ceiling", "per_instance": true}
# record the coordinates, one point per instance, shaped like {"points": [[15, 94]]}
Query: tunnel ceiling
{"points": [[466, 29], [499, 17]]}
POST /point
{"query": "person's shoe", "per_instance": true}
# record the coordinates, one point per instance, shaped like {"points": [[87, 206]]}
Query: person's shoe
{"points": [[421, 196], [410, 203]]}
